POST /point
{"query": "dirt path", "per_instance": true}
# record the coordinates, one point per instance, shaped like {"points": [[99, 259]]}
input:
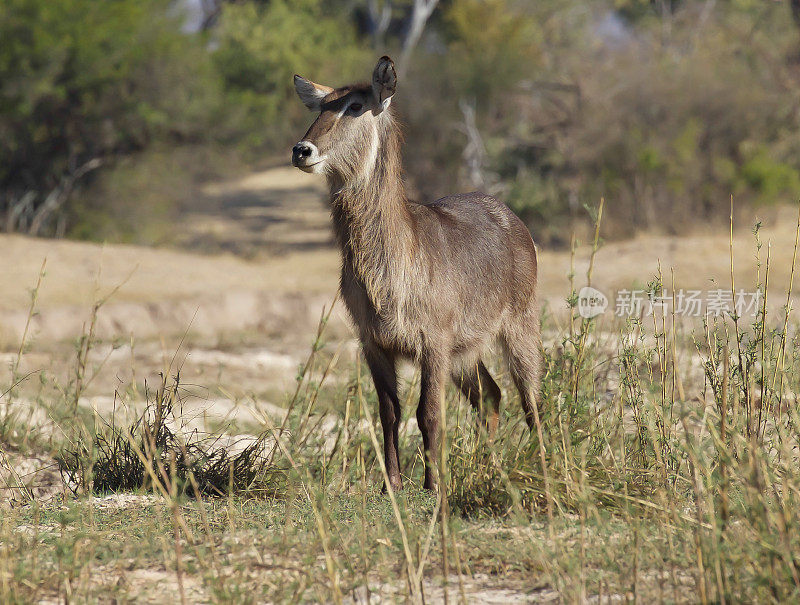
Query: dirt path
{"points": [[160, 291], [263, 215]]}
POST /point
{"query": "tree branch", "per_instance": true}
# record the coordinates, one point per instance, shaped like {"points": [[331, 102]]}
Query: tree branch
{"points": [[420, 13], [60, 194], [378, 20]]}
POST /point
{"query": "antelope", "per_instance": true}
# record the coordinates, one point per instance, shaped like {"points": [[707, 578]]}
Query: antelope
{"points": [[434, 283]]}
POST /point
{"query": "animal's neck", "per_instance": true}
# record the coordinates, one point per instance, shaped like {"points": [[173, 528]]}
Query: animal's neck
{"points": [[370, 213]]}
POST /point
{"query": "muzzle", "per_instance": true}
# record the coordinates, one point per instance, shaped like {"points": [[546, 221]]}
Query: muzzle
{"points": [[306, 157]]}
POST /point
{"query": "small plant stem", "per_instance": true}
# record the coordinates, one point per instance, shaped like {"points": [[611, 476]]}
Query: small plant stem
{"points": [[596, 241], [461, 589], [323, 322], [623, 453], [762, 337], [31, 313], [676, 378], [173, 488], [571, 277], [413, 579], [723, 437], [583, 514], [697, 492], [779, 365], [737, 330], [635, 587], [428, 538], [320, 522], [585, 323]]}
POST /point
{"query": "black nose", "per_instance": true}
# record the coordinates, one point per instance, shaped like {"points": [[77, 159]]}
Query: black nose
{"points": [[301, 151]]}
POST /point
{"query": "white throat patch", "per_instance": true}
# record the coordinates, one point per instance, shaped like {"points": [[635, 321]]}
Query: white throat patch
{"points": [[372, 153]]}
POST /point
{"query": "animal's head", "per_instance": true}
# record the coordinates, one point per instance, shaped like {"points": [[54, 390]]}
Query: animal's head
{"points": [[344, 138]]}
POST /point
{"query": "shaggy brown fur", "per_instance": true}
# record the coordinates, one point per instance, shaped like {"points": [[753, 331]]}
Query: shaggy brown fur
{"points": [[436, 283]]}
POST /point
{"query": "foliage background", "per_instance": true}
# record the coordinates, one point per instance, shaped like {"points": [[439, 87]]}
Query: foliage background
{"points": [[112, 113]]}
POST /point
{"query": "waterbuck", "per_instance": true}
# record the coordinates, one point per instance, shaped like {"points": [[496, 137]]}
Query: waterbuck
{"points": [[435, 283]]}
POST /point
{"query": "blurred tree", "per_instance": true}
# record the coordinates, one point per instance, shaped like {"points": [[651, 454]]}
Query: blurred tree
{"points": [[82, 82], [671, 122], [421, 11], [493, 45], [377, 16], [638, 9], [666, 107], [260, 48], [553, 105], [486, 50], [392, 25]]}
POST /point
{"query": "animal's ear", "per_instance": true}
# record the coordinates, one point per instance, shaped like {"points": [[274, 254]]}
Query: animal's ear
{"points": [[310, 93], [384, 81]]}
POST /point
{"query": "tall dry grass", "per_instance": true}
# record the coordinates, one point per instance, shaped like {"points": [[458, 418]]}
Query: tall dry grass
{"points": [[666, 469]]}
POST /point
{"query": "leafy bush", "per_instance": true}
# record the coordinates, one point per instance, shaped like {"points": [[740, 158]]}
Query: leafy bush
{"points": [[665, 114], [260, 48], [82, 82], [491, 44], [664, 108]]}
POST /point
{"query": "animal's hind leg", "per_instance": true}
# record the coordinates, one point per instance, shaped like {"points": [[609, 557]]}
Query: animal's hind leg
{"points": [[482, 391], [522, 343]]}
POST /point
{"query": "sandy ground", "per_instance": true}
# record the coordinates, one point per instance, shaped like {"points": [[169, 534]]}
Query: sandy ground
{"points": [[159, 291]]}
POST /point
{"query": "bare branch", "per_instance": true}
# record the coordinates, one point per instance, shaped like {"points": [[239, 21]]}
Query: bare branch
{"points": [[56, 198], [378, 19], [16, 209], [474, 153], [420, 13]]}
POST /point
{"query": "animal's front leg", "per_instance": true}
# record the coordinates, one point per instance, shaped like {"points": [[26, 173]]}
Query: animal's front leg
{"points": [[384, 374], [434, 368]]}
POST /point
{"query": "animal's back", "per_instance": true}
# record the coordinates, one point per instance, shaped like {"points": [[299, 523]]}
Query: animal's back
{"points": [[480, 241]]}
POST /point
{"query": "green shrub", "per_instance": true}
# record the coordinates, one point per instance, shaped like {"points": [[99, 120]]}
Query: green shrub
{"points": [[261, 47], [82, 80], [666, 116]]}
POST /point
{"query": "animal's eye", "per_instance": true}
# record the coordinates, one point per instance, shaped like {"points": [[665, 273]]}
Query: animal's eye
{"points": [[355, 107]]}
